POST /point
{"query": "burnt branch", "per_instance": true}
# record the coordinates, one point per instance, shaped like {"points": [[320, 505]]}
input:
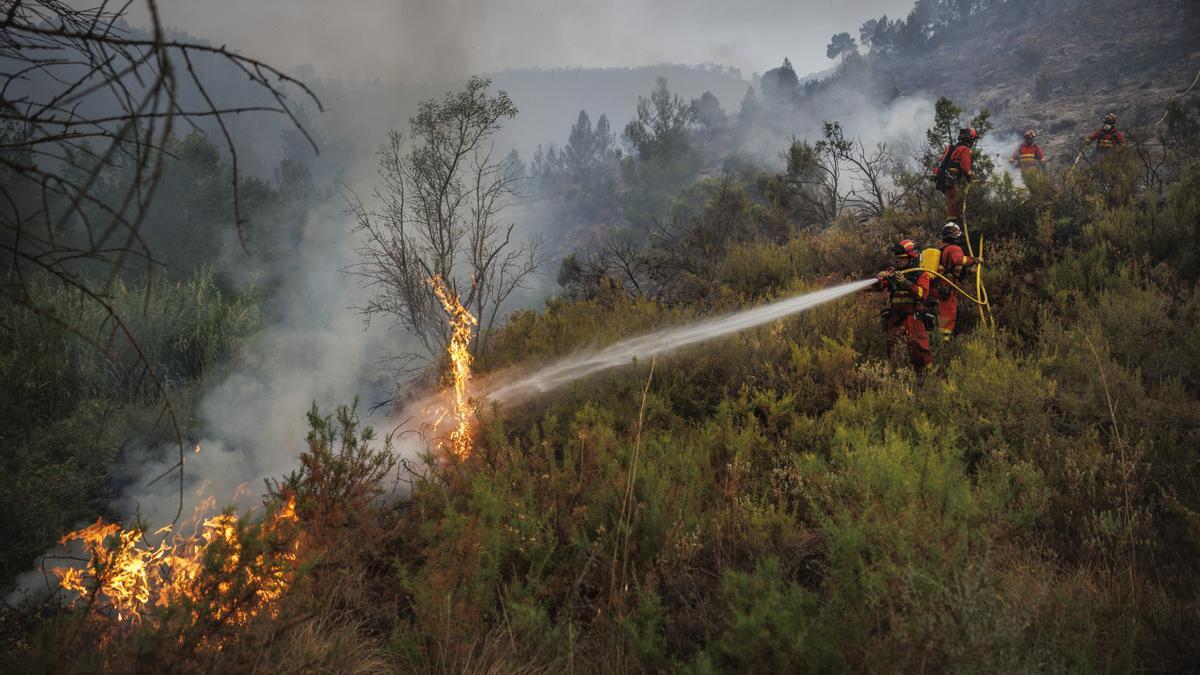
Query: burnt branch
{"points": [[81, 95]]}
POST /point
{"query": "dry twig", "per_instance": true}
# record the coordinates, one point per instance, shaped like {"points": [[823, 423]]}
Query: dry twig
{"points": [[82, 94]]}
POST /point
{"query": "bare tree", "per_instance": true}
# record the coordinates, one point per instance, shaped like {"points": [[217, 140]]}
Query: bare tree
{"points": [[81, 93], [869, 193], [835, 173], [815, 182], [617, 262], [1154, 161], [438, 215]]}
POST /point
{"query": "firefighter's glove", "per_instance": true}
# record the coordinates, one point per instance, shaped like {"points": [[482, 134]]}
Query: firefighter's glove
{"points": [[901, 281], [977, 260], [944, 292]]}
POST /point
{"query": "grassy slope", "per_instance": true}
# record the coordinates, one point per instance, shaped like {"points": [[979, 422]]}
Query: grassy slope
{"points": [[790, 499]]}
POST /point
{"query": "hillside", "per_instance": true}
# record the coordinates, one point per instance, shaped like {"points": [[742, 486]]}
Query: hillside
{"points": [[722, 433], [1057, 65]]}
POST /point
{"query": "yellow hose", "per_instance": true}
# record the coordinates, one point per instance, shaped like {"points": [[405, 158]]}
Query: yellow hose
{"points": [[985, 311], [947, 280], [985, 307], [966, 234], [980, 298]]}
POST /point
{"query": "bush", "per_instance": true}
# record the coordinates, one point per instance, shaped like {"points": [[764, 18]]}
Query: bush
{"points": [[71, 409]]}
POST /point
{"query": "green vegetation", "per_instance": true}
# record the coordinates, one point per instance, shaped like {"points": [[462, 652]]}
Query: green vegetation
{"points": [[84, 388], [789, 498], [71, 409]]}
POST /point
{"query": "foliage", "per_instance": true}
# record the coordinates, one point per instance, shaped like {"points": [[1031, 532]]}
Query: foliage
{"points": [[440, 217], [947, 121], [839, 45], [660, 129], [790, 498], [781, 86], [750, 108], [832, 176], [801, 503], [583, 172], [340, 474], [707, 111], [662, 158], [70, 410]]}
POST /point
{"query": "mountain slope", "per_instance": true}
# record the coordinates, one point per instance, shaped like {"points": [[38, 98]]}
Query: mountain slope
{"points": [[1057, 66]]}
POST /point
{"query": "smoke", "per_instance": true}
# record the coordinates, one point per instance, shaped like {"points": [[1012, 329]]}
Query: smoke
{"points": [[438, 40], [1000, 147], [251, 423], [865, 117]]}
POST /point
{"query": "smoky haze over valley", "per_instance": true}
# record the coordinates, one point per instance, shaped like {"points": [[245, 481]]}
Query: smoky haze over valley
{"points": [[435, 40]]}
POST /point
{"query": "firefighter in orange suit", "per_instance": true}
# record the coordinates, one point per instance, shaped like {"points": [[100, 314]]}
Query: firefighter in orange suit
{"points": [[1107, 138], [905, 317], [1029, 157], [952, 264], [954, 171]]}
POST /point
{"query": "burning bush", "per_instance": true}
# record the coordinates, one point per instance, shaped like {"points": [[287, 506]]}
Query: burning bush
{"points": [[206, 585]]}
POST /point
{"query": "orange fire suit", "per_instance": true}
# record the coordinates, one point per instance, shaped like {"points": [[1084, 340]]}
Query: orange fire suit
{"points": [[903, 321], [1106, 140], [952, 263], [1029, 157], [956, 161]]}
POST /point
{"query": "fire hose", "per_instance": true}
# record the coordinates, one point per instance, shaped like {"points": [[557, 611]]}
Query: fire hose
{"points": [[985, 307], [982, 302], [981, 297]]}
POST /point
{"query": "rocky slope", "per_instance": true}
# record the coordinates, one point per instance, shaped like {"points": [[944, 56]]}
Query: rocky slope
{"points": [[1059, 66]]}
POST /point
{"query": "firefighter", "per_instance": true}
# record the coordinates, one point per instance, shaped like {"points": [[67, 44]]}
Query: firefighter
{"points": [[952, 264], [954, 171], [1029, 156], [1107, 138], [905, 316]]}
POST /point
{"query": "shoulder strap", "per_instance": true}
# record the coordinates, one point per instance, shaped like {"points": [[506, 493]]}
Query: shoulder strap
{"points": [[948, 159]]}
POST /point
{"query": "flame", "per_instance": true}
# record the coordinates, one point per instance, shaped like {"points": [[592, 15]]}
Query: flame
{"points": [[117, 561], [462, 323], [232, 574]]}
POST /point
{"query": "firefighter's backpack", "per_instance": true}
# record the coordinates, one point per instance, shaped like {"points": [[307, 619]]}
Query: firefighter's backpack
{"points": [[948, 171]]}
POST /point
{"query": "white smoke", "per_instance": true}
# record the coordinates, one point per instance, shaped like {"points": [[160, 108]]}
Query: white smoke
{"points": [[252, 421], [1000, 147]]}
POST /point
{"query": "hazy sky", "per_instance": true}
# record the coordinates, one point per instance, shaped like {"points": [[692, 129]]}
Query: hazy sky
{"points": [[414, 40]]}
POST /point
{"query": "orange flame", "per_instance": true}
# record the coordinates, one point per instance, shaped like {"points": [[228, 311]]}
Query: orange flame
{"points": [[234, 577], [462, 323]]}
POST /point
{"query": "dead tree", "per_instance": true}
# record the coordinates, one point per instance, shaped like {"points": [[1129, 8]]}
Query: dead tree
{"points": [[814, 181], [870, 194], [438, 214], [82, 93]]}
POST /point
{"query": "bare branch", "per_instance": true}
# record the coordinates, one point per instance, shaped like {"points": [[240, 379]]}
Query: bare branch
{"points": [[104, 98], [438, 213]]}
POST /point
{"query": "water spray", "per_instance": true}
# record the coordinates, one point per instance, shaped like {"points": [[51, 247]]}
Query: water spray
{"points": [[571, 368]]}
